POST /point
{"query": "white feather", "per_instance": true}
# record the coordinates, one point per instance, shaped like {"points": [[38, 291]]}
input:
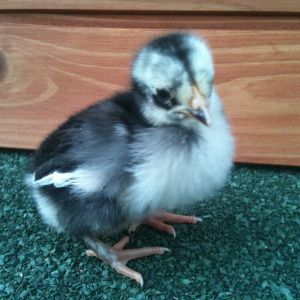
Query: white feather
{"points": [[168, 179], [83, 181], [120, 130], [59, 180], [157, 69], [45, 206], [47, 210]]}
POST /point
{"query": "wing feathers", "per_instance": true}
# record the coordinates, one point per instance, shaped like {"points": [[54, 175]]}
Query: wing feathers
{"points": [[59, 180], [82, 181]]}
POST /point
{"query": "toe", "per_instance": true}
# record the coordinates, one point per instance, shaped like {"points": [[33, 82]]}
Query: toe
{"points": [[131, 254], [123, 269], [122, 243], [158, 224], [174, 218]]}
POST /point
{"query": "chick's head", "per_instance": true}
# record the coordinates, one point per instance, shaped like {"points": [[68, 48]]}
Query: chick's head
{"points": [[175, 75]]}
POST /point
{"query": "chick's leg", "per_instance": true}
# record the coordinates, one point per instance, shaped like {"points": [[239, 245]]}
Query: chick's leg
{"points": [[117, 257], [158, 221]]}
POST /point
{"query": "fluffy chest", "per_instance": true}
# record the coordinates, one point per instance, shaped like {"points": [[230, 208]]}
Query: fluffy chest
{"points": [[174, 168]]}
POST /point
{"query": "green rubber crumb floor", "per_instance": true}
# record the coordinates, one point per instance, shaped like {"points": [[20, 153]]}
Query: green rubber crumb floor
{"points": [[248, 247]]}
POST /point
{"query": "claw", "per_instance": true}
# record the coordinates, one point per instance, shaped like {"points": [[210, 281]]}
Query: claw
{"points": [[90, 253], [173, 232], [133, 227]]}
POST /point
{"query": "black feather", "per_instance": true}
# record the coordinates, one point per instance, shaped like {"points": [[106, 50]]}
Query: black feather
{"points": [[89, 138], [174, 45]]}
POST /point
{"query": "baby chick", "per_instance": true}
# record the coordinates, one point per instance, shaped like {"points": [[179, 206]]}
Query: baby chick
{"points": [[163, 144]]}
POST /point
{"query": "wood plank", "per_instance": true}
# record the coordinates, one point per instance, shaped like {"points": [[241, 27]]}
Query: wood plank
{"points": [[194, 6], [54, 65]]}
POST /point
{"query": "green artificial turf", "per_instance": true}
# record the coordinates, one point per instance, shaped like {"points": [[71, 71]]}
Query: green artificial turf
{"points": [[247, 247]]}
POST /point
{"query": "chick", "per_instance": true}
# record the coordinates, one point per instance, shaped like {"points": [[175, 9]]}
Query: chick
{"points": [[163, 144]]}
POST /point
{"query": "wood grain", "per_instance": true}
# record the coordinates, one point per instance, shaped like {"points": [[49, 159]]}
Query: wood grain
{"points": [[54, 65], [194, 6]]}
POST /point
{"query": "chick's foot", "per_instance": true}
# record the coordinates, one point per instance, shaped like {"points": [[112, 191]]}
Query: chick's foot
{"points": [[117, 257], [158, 221]]}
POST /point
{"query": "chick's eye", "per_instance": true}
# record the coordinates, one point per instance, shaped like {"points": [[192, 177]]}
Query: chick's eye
{"points": [[163, 94], [163, 99]]}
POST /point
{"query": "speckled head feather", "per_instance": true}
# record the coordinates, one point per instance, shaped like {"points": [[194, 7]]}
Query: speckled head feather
{"points": [[165, 72]]}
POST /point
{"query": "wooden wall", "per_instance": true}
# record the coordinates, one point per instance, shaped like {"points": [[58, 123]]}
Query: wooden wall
{"points": [[57, 57]]}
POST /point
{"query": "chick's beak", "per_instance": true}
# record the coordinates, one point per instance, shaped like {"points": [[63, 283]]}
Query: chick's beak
{"points": [[201, 115], [199, 109]]}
